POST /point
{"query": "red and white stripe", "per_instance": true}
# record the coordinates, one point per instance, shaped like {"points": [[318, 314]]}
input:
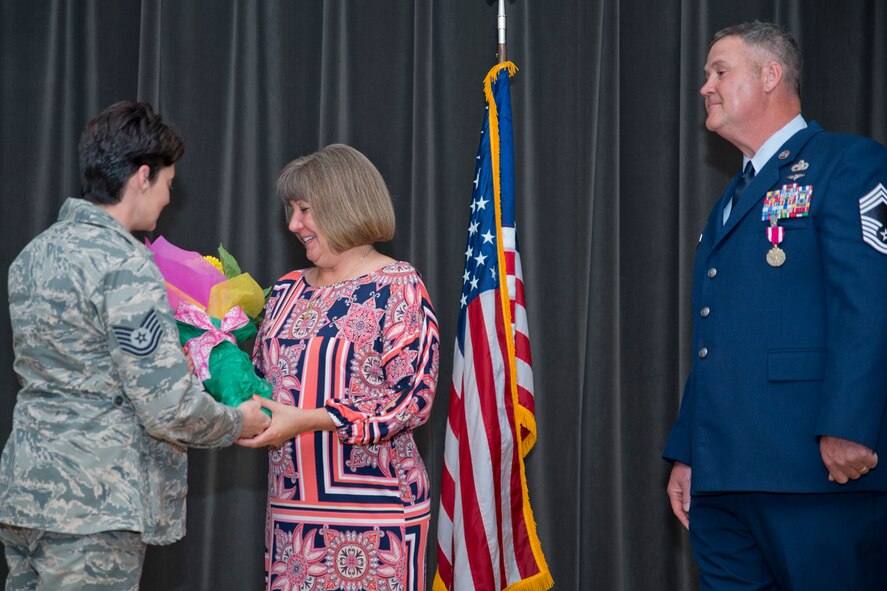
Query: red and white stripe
{"points": [[521, 331], [484, 517]]}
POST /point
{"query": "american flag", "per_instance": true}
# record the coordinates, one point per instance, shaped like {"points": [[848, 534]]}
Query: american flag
{"points": [[486, 533]]}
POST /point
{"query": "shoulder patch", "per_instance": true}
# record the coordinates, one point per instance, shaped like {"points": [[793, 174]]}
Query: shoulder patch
{"points": [[873, 217], [141, 341]]}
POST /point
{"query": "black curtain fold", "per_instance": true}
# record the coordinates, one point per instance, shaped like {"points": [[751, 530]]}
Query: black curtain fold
{"points": [[615, 177]]}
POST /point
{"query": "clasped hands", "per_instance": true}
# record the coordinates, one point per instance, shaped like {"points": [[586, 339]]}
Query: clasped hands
{"points": [[285, 423]]}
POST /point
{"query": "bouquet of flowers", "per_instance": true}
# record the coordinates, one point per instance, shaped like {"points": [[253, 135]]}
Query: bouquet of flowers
{"points": [[216, 308]]}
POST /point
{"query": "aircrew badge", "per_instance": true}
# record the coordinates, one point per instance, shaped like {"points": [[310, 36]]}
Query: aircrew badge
{"points": [[142, 340], [798, 169], [873, 217]]}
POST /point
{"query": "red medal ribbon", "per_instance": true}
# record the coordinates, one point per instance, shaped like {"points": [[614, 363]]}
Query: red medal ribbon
{"points": [[775, 234]]}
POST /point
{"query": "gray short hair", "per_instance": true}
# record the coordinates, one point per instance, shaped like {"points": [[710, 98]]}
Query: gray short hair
{"points": [[776, 41]]}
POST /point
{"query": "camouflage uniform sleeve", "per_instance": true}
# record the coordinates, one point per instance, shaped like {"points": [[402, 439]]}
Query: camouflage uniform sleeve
{"points": [[143, 341]]}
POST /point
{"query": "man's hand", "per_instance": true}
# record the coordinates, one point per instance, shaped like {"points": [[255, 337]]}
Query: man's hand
{"points": [[844, 459], [254, 420], [679, 492]]}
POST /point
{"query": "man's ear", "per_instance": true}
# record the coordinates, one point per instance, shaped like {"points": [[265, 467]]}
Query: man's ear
{"points": [[772, 74]]}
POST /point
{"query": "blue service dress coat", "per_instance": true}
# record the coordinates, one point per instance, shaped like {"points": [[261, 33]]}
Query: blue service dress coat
{"points": [[785, 354]]}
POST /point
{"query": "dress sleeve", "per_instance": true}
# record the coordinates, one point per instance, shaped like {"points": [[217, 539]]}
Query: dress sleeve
{"points": [[410, 362], [144, 346]]}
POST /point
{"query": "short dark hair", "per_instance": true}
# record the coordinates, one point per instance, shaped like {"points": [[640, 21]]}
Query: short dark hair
{"points": [[773, 39], [117, 142]]}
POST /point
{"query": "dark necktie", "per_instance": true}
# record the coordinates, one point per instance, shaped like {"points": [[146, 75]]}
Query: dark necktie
{"points": [[747, 175]]}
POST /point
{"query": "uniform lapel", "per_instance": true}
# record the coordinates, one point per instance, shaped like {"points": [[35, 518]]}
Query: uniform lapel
{"points": [[765, 179]]}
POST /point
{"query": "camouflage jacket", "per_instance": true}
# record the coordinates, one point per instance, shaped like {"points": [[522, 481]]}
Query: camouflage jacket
{"points": [[107, 404]]}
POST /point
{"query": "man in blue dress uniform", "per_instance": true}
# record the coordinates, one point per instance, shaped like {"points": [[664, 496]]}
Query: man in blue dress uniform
{"points": [[775, 451]]}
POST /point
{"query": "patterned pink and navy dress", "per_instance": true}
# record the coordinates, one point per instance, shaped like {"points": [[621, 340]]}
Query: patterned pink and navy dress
{"points": [[350, 509]]}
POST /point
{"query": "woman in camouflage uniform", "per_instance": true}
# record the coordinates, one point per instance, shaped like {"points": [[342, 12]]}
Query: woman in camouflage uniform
{"points": [[95, 467]]}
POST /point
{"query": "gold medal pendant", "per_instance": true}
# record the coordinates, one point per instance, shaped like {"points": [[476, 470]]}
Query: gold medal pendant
{"points": [[775, 234], [775, 256]]}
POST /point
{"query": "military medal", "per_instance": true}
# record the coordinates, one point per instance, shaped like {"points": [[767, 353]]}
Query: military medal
{"points": [[792, 201], [775, 256], [775, 234]]}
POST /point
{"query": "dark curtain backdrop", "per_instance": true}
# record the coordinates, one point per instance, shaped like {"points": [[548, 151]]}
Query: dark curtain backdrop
{"points": [[615, 176]]}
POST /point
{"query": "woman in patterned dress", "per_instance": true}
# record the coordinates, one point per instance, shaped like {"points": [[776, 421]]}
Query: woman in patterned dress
{"points": [[350, 346]]}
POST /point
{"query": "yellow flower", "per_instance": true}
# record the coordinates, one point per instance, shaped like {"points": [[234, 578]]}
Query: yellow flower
{"points": [[215, 262]]}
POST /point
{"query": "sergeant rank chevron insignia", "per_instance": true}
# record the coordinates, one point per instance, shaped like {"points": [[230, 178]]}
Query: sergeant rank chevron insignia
{"points": [[873, 216], [141, 341]]}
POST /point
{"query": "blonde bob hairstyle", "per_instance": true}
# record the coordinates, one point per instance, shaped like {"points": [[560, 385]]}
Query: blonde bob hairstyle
{"points": [[349, 200]]}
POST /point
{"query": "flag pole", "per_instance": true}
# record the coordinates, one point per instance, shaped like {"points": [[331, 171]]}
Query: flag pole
{"points": [[486, 535], [500, 20]]}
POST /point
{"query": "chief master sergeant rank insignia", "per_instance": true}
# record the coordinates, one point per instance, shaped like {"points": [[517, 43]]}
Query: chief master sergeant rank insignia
{"points": [[873, 216]]}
